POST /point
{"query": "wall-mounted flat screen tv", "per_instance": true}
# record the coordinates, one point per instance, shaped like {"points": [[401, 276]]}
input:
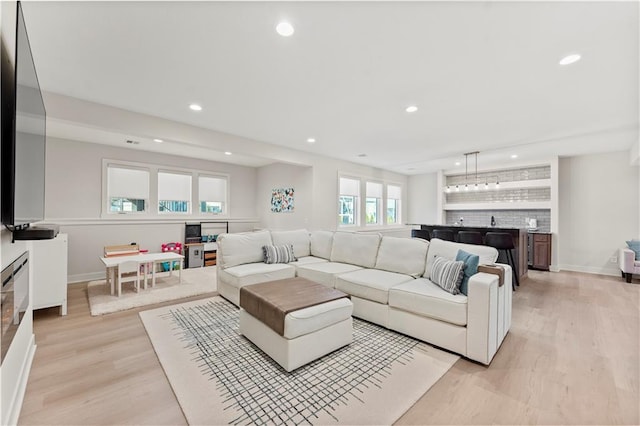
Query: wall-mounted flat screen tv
{"points": [[23, 135]]}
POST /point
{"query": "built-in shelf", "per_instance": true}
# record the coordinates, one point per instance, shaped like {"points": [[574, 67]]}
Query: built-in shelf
{"points": [[516, 205], [518, 184]]}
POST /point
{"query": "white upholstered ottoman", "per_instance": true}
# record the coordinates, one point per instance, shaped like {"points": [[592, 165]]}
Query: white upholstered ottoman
{"points": [[277, 318]]}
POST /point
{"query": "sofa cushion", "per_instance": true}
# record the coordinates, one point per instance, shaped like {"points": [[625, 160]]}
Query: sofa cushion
{"points": [[321, 243], [307, 320], [449, 250], [278, 254], [241, 248], [422, 297], [299, 239], [254, 273], [470, 268], [403, 255], [370, 284], [307, 260], [447, 274], [324, 273], [356, 249]]}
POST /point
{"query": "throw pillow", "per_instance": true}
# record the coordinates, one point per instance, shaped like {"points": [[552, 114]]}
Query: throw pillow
{"points": [[447, 274], [470, 268], [635, 246], [279, 254]]}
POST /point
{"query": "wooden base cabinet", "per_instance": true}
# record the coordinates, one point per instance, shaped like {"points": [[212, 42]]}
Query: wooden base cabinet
{"points": [[541, 251]]}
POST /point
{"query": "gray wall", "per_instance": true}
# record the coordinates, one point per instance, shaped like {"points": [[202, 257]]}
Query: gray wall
{"points": [[599, 210]]}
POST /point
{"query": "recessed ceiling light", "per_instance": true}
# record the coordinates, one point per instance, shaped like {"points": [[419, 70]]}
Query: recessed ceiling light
{"points": [[457, 163], [411, 108], [195, 107], [514, 155], [285, 29], [570, 59], [158, 140], [227, 153], [311, 140]]}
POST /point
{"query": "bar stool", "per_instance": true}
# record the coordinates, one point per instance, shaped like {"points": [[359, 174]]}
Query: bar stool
{"points": [[443, 234], [470, 237], [420, 233], [504, 241]]}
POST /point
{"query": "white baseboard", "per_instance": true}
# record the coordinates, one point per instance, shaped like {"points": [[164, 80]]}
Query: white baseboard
{"points": [[614, 272], [91, 276]]}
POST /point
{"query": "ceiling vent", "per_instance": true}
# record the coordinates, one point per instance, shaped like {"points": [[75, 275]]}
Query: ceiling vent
{"points": [[129, 141]]}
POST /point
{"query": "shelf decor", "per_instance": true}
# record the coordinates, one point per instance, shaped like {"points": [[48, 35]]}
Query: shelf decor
{"points": [[282, 200]]}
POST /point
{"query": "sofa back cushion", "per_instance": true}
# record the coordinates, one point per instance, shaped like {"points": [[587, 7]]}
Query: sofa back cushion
{"points": [[355, 249], [402, 255], [241, 248], [299, 239], [449, 250], [321, 243]]}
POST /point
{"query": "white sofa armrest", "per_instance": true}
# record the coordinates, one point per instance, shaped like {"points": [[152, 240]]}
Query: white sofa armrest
{"points": [[626, 260], [488, 314]]}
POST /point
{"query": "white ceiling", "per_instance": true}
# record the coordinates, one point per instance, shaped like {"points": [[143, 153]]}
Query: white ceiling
{"points": [[485, 75]]}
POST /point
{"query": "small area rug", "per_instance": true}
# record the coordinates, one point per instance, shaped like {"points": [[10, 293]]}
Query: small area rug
{"points": [[220, 377], [195, 281]]}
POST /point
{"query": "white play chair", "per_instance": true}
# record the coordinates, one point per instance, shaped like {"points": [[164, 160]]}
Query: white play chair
{"points": [[128, 272]]}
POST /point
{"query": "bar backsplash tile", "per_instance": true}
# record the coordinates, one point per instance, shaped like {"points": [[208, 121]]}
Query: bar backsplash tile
{"points": [[503, 218]]}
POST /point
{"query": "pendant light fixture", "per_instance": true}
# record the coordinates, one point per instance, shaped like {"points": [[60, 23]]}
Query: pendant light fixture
{"points": [[475, 183]]}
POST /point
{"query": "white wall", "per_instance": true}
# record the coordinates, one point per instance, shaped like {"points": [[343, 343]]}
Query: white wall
{"points": [[423, 195], [74, 199], [285, 176], [599, 209]]}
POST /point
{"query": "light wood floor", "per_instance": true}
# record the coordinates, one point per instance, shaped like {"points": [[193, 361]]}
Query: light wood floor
{"points": [[571, 357]]}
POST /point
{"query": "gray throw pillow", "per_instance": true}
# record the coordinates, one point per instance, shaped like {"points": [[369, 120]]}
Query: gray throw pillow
{"points": [[447, 274], [278, 254]]}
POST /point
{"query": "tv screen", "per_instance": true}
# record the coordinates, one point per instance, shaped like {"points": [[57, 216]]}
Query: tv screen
{"points": [[23, 150]]}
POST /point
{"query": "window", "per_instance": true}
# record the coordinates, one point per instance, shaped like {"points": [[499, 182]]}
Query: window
{"points": [[212, 194], [174, 192], [127, 189], [394, 195], [348, 201], [373, 204]]}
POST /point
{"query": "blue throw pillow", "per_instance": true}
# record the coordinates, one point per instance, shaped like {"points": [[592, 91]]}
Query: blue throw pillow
{"points": [[470, 268], [635, 246]]}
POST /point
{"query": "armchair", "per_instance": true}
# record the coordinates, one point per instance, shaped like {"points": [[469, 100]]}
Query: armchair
{"points": [[628, 263]]}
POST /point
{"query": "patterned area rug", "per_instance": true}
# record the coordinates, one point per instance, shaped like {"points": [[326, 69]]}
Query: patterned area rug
{"points": [[195, 281], [220, 377]]}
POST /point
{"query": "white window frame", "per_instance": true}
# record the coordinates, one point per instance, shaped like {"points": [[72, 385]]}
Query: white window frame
{"points": [[226, 195], [106, 199], [189, 201], [357, 203], [379, 202], [361, 218], [152, 203], [398, 204]]}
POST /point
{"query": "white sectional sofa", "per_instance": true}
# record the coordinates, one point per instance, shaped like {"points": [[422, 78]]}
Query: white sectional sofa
{"points": [[388, 280]]}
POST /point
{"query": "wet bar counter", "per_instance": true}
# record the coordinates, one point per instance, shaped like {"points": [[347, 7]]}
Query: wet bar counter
{"points": [[519, 241]]}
